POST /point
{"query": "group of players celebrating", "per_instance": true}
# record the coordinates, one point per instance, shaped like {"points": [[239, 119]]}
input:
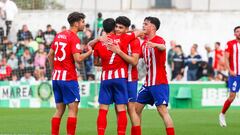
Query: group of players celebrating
{"points": [[118, 53]]}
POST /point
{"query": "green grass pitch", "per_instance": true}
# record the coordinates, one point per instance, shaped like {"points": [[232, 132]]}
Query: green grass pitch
{"points": [[187, 122]]}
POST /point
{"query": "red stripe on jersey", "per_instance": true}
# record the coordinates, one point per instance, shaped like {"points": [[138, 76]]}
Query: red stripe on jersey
{"points": [[59, 75], [233, 48], [111, 74]]}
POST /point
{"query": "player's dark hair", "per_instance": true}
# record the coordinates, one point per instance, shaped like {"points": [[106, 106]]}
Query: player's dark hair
{"points": [[218, 43], [75, 17], [108, 25], [153, 20], [237, 27], [123, 20]]}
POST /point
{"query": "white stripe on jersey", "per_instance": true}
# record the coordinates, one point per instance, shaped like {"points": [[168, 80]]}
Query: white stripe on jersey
{"points": [[110, 74], [122, 73], [154, 67], [59, 74], [234, 58], [238, 58], [64, 75], [149, 66], [116, 74], [129, 65], [54, 74], [103, 75]]}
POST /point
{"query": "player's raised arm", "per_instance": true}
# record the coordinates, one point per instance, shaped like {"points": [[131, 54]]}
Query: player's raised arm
{"points": [[161, 47]]}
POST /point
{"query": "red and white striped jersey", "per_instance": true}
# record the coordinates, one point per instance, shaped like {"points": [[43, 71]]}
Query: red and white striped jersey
{"points": [[155, 63], [133, 47], [65, 45], [113, 66], [233, 48]]}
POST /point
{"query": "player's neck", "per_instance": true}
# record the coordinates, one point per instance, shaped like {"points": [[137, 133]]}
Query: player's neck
{"points": [[74, 30], [151, 35], [238, 40], [110, 33]]}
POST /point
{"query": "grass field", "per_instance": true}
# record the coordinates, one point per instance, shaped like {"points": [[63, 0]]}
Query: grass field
{"points": [[187, 122]]}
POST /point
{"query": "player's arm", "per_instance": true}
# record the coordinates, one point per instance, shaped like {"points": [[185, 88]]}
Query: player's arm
{"points": [[133, 60], [97, 61], [160, 47], [94, 41], [51, 58], [81, 57], [227, 63]]}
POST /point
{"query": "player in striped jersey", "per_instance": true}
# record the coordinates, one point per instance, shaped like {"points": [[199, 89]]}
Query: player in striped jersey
{"points": [[113, 87], [155, 89], [131, 57], [232, 62], [65, 51]]}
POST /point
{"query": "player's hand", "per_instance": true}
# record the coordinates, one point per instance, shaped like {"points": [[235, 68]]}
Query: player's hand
{"points": [[114, 48], [103, 38], [151, 44], [232, 73]]}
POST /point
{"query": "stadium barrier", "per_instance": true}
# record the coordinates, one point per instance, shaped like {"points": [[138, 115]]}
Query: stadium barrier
{"points": [[182, 95]]}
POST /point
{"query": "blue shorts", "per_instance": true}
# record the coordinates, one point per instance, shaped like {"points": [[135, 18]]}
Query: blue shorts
{"points": [[157, 94], [66, 91], [114, 90], [132, 91], [234, 83]]}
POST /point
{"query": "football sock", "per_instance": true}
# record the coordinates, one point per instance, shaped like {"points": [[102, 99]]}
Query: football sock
{"points": [[71, 125], [136, 130], [122, 122], [55, 125], [102, 121], [226, 106], [170, 131]]}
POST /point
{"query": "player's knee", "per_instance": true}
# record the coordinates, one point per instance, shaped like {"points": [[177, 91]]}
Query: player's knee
{"points": [[162, 109]]}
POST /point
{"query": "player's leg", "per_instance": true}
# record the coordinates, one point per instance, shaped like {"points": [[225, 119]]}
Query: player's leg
{"points": [[163, 111], [144, 97], [70, 90], [160, 94], [132, 98], [105, 99], [120, 97], [60, 108], [233, 85]]}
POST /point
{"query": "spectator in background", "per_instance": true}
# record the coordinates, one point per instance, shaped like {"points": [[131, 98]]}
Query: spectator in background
{"points": [[171, 53], [98, 26], [11, 48], [10, 9], [30, 43], [40, 58], [39, 74], [39, 37], [209, 55], [13, 61], [49, 36], [133, 27], [218, 56], [28, 78], [205, 72], [5, 70], [178, 63], [193, 63], [63, 28], [26, 59], [24, 33]]}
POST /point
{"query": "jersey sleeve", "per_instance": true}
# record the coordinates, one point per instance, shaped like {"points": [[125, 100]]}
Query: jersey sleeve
{"points": [[52, 45], [75, 45], [135, 45], [96, 50], [128, 37], [227, 47]]}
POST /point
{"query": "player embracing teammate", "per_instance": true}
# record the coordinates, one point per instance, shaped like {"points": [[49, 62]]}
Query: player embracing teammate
{"points": [[155, 89]]}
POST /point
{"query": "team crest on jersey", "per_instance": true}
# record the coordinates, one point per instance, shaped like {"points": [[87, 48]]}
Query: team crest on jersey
{"points": [[78, 46]]}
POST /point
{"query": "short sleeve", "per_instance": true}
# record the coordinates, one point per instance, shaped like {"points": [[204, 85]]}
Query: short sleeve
{"points": [[127, 37], [52, 45], [75, 45], [96, 49], [227, 47], [135, 46]]}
